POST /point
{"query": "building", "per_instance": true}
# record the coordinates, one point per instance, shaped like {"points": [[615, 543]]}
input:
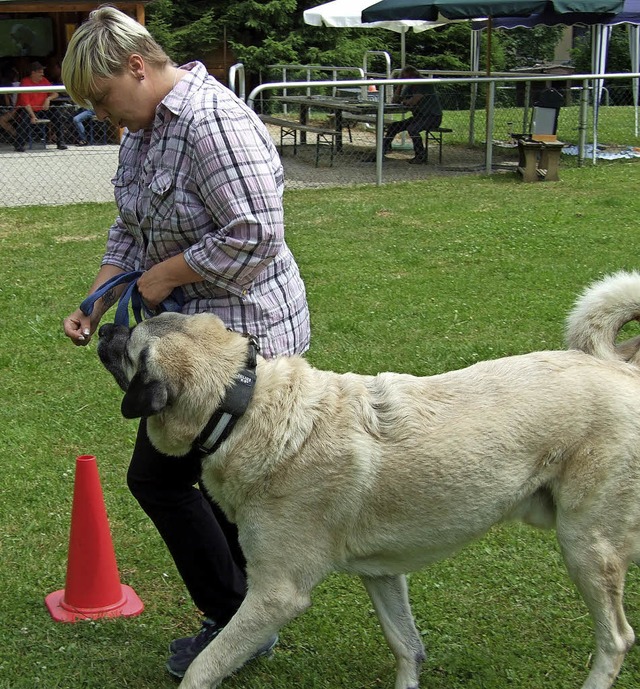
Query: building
{"points": [[40, 30]]}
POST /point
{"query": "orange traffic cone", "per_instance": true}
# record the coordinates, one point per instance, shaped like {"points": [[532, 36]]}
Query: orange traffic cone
{"points": [[93, 587]]}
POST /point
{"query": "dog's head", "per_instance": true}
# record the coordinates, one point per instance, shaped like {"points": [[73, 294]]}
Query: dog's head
{"points": [[174, 369]]}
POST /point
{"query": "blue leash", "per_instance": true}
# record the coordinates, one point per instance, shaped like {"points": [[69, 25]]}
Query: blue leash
{"points": [[131, 295]]}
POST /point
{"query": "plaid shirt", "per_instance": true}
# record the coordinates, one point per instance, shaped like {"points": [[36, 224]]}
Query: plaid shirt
{"points": [[207, 181]]}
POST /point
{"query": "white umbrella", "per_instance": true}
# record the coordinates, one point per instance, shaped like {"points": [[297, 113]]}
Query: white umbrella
{"points": [[348, 14]]}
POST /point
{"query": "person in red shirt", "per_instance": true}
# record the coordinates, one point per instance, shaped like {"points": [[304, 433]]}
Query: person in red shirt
{"points": [[34, 106]]}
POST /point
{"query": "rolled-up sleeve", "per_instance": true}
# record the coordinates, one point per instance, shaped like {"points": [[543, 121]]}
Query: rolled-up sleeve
{"points": [[239, 182], [122, 249]]}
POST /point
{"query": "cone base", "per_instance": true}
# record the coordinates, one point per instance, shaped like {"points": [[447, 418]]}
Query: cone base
{"points": [[129, 606]]}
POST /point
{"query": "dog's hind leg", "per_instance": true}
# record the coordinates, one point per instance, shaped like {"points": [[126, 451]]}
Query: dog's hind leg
{"points": [[390, 599], [598, 569], [270, 603]]}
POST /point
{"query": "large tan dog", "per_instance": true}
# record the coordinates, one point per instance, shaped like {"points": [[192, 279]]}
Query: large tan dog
{"points": [[382, 475]]}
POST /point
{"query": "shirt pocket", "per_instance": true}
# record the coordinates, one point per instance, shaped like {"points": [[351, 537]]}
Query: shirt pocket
{"points": [[125, 185]]}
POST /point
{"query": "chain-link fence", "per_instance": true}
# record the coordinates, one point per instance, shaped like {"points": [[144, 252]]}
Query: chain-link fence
{"points": [[340, 143], [53, 160], [475, 110]]}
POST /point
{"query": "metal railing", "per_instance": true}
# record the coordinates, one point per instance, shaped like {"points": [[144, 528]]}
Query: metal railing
{"points": [[503, 105], [494, 113], [237, 80]]}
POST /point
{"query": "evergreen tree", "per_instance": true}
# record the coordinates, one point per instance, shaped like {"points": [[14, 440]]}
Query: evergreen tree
{"points": [[259, 33]]}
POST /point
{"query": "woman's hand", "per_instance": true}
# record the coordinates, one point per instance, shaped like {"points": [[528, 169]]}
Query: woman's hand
{"points": [[79, 328], [157, 283]]}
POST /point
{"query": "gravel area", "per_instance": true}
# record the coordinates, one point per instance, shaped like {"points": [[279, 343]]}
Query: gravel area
{"points": [[52, 177]]}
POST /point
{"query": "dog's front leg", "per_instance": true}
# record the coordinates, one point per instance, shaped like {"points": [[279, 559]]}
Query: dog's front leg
{"points": [[390, 599], [267, 607]]}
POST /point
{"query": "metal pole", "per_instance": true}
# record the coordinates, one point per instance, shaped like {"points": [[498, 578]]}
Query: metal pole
{"points": [[527, 103], [489, 134], [380, 134], [582, 122]]}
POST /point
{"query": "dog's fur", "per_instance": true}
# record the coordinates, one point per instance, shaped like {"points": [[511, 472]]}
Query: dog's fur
{"points": [[381, 475]]}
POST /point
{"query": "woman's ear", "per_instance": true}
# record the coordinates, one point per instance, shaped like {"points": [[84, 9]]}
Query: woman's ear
{"points": [[136, 66]]}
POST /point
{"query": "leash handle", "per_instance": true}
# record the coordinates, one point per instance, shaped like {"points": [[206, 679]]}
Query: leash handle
{"points": [[131, 295]]}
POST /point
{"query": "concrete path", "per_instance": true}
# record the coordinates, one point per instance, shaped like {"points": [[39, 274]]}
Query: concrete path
{"points": [[52, 177], [83, 174]]}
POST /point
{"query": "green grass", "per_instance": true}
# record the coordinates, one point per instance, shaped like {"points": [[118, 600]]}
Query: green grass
{"points": [[420, 278], [616, 125]]}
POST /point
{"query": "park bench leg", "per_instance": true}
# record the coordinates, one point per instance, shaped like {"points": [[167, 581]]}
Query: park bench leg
{"points": [[550, 161], [528, 152], [293, 133]]}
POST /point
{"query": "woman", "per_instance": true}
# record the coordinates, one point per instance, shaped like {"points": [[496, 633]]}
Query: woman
{"points": [[8, 101], [426, 113], [199, 191]]}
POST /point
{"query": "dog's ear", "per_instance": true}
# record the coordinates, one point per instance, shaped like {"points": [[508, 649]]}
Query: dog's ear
{"points": [[145, 395]]}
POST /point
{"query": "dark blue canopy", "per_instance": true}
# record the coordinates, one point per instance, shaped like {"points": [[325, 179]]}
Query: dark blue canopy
{"points": [[432, 10], [630, 14]]}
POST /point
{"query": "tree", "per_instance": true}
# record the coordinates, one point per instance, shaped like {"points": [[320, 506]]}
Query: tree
{"points": [[617, 55], [267, 32], [527, 47], [618, 60]]}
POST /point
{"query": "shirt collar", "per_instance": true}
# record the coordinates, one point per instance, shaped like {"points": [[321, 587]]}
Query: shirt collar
{"points": [[177, 98]]}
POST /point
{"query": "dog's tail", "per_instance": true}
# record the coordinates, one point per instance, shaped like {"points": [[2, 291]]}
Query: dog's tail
{"points": [[600, 313]]}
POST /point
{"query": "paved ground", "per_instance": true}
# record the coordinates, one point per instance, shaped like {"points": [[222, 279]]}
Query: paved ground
{"points": [[52, 177]]}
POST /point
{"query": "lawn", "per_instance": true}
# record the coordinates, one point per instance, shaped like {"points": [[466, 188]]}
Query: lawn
{"points": [[420, 278]]}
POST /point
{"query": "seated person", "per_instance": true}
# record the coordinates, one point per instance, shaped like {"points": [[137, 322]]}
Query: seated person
{"points": [[34, 105], [426, 113], [78, 123], [8, 101]]}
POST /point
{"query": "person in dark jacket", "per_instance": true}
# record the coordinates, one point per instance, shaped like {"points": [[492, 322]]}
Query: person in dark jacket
{"points": [[426, 113]]}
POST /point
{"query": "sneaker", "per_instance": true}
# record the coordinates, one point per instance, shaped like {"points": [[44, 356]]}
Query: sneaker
{"points": [[62, 147], [418, 160], [186, 649], [207, 633], [18, 149], [82, 143]]}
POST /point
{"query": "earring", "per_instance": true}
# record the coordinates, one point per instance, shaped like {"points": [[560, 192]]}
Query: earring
{"points": [[141, 77]]}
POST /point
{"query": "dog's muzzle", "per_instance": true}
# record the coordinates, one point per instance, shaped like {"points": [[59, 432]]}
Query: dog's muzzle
{"points": [[111, 349]]}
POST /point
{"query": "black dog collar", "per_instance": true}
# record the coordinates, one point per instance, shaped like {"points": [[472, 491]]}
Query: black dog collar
{"points": [[233, 406]]}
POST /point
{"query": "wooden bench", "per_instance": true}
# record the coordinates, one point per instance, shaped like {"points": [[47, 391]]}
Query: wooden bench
{"points": [[38, 131], [539, 160], [290, 128], [436, 135], [349, 118], [433, 134]]}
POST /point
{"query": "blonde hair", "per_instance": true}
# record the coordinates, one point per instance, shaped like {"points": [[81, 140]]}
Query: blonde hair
{"points": [[100, 48]]}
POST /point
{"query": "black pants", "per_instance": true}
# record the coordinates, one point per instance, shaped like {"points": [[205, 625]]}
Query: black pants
{"points": [[202, 542], [413, 125], [22, 122]]}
